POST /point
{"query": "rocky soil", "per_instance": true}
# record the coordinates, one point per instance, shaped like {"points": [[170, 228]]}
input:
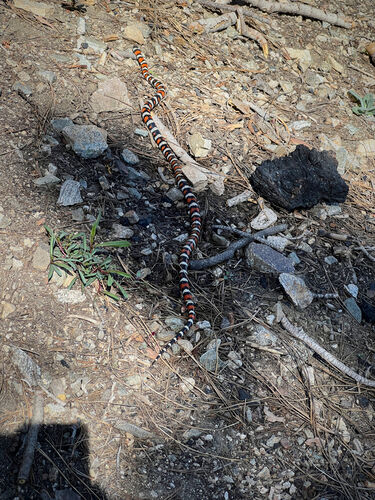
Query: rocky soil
{"points": [[239, 408]]}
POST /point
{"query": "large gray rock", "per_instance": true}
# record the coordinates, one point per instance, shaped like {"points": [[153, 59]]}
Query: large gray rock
{"points": [[87, 141]]}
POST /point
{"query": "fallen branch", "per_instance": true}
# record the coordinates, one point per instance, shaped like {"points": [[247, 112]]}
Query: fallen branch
{"points": [[195, 173], [197, 265], [214, 24], [299, 9], [299, 334], [296, 8], [256, 236], [32, 438]]}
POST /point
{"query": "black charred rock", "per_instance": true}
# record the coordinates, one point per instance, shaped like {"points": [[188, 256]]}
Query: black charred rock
{"points": [[300, 180]]}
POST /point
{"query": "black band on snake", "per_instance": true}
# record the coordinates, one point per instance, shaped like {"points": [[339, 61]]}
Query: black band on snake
{"points": [[193, 207]]}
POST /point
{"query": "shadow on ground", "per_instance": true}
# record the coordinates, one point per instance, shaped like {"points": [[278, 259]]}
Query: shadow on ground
{"points": [[60, 469]]}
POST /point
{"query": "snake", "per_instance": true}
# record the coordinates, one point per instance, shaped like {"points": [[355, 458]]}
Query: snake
{"points": [[183, 185]]}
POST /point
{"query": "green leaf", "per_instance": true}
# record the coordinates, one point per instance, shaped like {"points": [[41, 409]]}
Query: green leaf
{"points": [[125, 295], [72, 283], [93, 229], [120, 273], [51, 271], [112, 295], [115, 244], [82, 276], [57, 270], [110, 280], [69, 268]]}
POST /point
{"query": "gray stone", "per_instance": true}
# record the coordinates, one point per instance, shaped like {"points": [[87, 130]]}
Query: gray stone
{"points": [[210, 361], [294, 258], [59, 123], [70, 193], [297, 290], [49, 76], [83, 61], [174, 194], [51, 141], [22, 89], [4, 221], [267, 260], [81, 26], [92, 43], [41, 257], [330, 259], [29, 370], [104, 184], [352, 289], [142, 132], [174, 323], [78, 214], [129, 157], [87, 141], [263, 336], [47, 180], [132, 216], [353, 308], [122, 232], [134, 430]]}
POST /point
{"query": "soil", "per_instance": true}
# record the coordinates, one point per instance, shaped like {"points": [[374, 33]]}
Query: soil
{"points": [[274, 420]]}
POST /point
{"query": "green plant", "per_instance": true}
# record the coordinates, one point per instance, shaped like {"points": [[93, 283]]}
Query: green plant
{"points": [[366, 103], [79, 255]]}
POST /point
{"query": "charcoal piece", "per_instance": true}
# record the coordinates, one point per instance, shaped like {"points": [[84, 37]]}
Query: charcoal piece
{"points": [[300, 180]]}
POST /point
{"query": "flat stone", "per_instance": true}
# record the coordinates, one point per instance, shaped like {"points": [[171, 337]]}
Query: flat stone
{"points": [[199, 146], [41, 257], [59, 123], [121, 232], [267, 260], [70, 193], [4, 221], [6, 309], [47, 75], [87, 141], [26, 365], [132, 32], [22, 89], [47, 180], [91, 43], [129, 157], [134, 430], [111, 95], [38, 8], [264, 219], [297, 290], [353, 308], [211, 361], [366, 148], [263, 336]]}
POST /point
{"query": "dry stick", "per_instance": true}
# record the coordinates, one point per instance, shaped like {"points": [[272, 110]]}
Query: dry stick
{"points": [[186, 159], [287, 8], [299, 9], [197, 265], [247, 235], [32, 438], [301, 335], [232, 8]]}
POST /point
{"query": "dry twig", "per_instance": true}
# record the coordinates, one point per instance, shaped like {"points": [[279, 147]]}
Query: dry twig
{"points": [[299, 9], [299, 334], [198, 265]]}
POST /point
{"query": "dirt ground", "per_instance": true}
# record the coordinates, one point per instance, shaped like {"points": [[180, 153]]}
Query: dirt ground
{"points": [[273, 419]]}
